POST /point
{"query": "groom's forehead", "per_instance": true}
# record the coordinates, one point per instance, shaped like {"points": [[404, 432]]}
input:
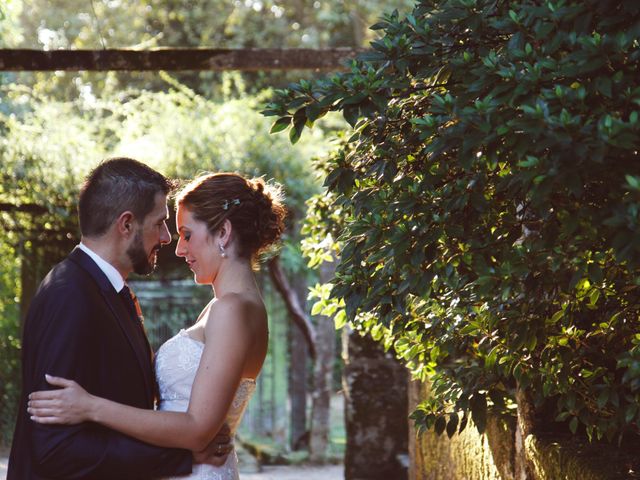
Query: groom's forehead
{"points": [[161, 212], [160, 209]]}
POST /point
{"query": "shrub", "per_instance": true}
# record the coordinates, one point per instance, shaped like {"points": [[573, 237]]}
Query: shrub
{"points": [[490, 194]]}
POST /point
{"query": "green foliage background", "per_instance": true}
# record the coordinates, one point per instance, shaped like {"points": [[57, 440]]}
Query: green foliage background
{"points": [[48, 146], [54, 127], [51, 24], [9, 339], [489, 197]]}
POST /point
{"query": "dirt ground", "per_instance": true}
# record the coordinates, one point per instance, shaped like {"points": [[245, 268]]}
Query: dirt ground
{"points": [[330, 472]]}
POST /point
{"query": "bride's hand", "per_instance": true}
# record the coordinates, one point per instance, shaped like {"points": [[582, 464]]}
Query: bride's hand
{"points": [[68, 405]]}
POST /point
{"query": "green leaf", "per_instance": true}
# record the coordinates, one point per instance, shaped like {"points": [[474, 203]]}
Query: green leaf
{"points": [[317, 308], [491, 358], [573, 425], [313, 112], [555, 318], [351, 114], [295, 132], [633, 181], [595, 273], [603, 397], [440, 425], [280, 124], [594, 296], [603, 84], [452, 424], [479, 411], [354, 99]]}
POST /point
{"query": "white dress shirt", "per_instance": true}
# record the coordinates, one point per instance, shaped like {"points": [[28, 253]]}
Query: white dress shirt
{"points": [[109, 270]]}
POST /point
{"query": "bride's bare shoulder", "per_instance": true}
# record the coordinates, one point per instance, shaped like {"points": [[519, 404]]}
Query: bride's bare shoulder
{"points": [[234, 308]]}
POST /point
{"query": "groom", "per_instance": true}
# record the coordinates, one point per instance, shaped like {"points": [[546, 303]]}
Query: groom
{"points": [[82, 324]]}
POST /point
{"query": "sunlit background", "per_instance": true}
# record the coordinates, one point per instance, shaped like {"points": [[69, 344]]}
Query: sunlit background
{"points": [[56, 126]]}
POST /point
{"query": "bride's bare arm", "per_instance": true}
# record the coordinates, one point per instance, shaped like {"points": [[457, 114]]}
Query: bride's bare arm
{"points": [[229, 336]]}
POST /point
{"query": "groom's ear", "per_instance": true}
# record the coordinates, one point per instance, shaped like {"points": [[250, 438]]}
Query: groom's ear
{"points": [[124, 223]]}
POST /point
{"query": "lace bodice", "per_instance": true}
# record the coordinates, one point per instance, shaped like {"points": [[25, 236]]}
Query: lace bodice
{"points": [[177, 362]]}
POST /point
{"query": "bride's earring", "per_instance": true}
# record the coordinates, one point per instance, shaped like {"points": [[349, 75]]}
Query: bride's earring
{"points": [[223, 254]]}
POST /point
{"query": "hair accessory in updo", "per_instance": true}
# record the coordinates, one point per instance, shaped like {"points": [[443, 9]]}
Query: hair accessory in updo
{"points": [[253, 207], [227, 203]]}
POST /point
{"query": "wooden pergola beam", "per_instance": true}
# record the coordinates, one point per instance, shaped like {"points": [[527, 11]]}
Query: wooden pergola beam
{"points": [[176, 59], [24, 207]]}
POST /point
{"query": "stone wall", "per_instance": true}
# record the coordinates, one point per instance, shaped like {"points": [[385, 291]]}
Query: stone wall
{"points": [[493, 455]]}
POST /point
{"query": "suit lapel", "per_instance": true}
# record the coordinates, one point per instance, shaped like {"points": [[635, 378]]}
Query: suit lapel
{"points": [[134, 333]]}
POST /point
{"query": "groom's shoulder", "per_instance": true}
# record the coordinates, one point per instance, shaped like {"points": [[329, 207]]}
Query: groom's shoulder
{"points": [[65, 270], [67, 275]]}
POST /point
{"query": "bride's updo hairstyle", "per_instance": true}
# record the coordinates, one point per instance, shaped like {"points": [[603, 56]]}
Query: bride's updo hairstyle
{"points": [[254, 208]]}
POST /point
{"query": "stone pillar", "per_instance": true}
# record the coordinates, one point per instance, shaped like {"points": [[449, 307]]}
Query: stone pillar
{"points": [[375, 386]]}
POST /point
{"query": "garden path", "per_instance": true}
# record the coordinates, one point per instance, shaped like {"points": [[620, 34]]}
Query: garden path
{"points": [[329, 472]]}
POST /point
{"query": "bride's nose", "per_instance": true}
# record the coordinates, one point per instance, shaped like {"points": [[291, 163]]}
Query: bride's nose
{"points": [[180, 249]]}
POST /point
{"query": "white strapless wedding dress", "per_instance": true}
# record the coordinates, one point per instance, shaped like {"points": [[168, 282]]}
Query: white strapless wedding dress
{"points": [[177, 361]]}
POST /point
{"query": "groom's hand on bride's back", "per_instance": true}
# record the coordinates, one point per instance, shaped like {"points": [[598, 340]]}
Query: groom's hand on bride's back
{"points": [[218, 450]]}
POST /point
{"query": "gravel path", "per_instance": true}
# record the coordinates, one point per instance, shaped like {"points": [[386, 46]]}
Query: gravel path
{"points": [[329, 472]]}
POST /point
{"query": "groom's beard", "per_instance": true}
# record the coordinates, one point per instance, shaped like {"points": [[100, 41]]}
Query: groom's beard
{"points": [[142, 263]]}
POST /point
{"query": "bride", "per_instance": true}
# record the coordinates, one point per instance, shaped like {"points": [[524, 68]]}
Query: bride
{"points": [[206, 373]]}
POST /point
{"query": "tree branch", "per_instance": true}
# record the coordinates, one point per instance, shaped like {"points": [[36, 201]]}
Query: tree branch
{"points": [[292, 303]]}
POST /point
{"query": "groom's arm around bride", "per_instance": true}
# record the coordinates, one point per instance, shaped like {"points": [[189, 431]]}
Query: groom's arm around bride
{"points": [[78, 326], [73, 330]]}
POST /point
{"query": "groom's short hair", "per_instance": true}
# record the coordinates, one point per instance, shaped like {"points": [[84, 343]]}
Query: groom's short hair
{"points": [[115, 186]]}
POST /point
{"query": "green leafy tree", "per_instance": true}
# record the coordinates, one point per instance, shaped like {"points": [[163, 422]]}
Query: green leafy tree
{"points": [[489, 197], [10, 33], [180, 23], [38, 224]]}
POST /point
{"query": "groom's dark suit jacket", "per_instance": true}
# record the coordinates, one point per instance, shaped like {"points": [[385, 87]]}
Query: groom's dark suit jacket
{"points": [[79, 328]]}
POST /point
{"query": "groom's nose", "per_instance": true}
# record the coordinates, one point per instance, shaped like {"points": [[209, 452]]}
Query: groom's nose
{"points": [[165, 236]]}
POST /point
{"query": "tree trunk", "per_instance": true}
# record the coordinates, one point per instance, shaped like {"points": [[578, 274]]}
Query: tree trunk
{"points": [[524, 470], [293, 304], [304, 344], [359, 26], [322, 380], [375, 386], [298, 359]]}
